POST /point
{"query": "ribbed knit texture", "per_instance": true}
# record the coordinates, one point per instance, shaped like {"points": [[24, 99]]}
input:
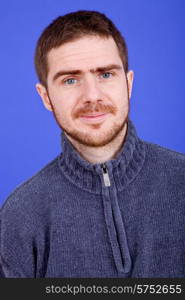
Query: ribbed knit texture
{"points": [[65, 222]]}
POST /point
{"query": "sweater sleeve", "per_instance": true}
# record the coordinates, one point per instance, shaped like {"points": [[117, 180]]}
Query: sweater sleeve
{"points": [[1, 269], [1, 272], [16, 242]]}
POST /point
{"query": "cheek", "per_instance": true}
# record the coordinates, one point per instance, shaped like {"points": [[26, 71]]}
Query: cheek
{"points": [[61, 102], [119, 90], [122, 101], [120, 98]]}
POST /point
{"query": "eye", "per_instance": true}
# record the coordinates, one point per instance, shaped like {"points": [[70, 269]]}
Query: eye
{"points": [[106, 75], [70, 81]]}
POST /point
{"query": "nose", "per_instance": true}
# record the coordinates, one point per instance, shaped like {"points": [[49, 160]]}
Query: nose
{"points": [[91, 90]]}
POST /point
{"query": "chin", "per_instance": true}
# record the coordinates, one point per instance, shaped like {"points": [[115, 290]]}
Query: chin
{"points": [[92, 139]]}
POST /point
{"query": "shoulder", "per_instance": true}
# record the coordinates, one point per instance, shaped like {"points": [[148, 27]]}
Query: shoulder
{"points": [[30, 195], [164, 154], [165, 161]]}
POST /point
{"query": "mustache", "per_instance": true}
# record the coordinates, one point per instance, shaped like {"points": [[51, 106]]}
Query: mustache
{"points": [[91, 108]]}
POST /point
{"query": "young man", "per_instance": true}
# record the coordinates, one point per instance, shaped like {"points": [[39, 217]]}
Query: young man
{"points": [[111, 205]]}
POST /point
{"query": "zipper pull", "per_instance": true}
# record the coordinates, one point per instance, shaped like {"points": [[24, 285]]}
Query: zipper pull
{"points": [[105, 175]]}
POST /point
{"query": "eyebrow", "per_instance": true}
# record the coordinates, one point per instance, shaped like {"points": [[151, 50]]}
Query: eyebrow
{"points": [[79, 72]]}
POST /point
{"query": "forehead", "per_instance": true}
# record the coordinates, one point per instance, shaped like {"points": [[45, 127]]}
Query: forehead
{"points": [[84, 54]]}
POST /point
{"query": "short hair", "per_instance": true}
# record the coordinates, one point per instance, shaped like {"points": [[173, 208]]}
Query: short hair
{"points": [[70, 27]]}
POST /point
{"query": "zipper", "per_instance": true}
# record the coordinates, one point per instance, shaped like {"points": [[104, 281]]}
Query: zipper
{"points": [[106, 178]]}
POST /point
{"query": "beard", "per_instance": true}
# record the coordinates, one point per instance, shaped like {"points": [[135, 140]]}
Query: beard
{"points": [[96, 137]]}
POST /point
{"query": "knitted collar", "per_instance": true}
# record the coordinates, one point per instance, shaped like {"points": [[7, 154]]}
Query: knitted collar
{"points": [[121, 170]]}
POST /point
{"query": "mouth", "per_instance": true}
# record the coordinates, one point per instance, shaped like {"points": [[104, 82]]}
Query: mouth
{"points": [[93, 118]]}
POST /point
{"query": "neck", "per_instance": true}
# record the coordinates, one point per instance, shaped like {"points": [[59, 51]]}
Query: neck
{"points": [[100, 154]]}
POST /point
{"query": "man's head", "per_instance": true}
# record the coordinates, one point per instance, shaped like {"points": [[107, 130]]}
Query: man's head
{"points": [[71, 27], [82, 64]]}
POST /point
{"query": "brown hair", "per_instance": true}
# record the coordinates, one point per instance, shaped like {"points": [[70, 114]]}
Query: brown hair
{"points": [[73, 26]]}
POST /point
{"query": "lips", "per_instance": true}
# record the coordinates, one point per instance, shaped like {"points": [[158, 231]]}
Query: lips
{"points": [[94, 118], [93, 115]]}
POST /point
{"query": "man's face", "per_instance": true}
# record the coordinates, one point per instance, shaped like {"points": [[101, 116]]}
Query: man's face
{"points": [[87, 90]]}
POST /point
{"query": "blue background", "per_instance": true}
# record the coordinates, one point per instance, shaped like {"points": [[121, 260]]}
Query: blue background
{"points": [[155, 34]]}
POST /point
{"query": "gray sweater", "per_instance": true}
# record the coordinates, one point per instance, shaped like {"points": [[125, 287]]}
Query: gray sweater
{"points": [[123, 218]]}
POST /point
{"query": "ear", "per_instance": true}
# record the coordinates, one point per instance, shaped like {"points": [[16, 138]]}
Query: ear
{"points": [[130, 79], [42, 91]]}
